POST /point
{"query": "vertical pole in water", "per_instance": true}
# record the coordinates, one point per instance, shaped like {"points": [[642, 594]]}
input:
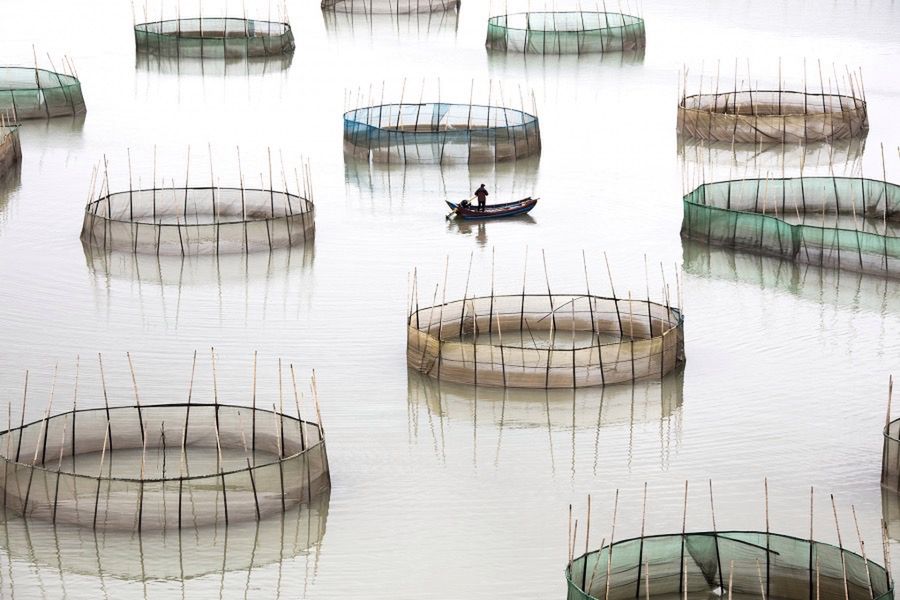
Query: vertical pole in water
{"points": [[491, 307], [862, 548], [271, 186], [841, 547], [441, 317], [884, 183], [184, 434], [766, 498], [609, 548], [552, 322], [105, 397], [106, 439], [594, 329], [682, 563], [37, 449], [140, 514], [812, 544], [187, 173], [137, 398], [715, 533], [462, 316], [62, 447], [303, 443], [637, 590], [524, 275], [886, 549], [612, 288], [253, 408], [587, 542], [279, 435]]}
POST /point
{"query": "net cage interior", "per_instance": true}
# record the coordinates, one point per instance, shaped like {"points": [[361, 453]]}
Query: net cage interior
{"points": [[890, 459], [10, 148], [213, 37], [840, 222], [772, 116], [565, 32], [384, 7], [158, 467], [545, 341], [202, 220], [699, 565], [440, 133], [32, 93]]}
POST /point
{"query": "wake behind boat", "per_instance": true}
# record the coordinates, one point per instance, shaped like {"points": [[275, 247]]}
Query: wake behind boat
{"points": [[492, 211]]}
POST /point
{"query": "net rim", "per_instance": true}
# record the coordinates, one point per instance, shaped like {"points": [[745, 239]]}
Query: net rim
{"points": [[285, 28], [64, 81], [495, 20], [858, 103], [886, 432], [527, 118]]}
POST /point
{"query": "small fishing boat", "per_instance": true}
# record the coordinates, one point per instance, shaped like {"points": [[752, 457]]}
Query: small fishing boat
{"points": [[470, 212]]}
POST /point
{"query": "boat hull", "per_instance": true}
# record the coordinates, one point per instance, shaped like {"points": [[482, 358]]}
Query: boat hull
{"points": [[494, 211]]}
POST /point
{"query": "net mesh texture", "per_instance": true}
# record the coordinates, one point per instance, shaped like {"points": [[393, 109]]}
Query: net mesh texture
{"points": [[161, 467], [385, 7], [545, 341], [841, 222], [890, 459], [574, 32], [440, 133], [787, 568], [208, 37], [29, 93], [10, 149], [198, 221], [786, 117]]}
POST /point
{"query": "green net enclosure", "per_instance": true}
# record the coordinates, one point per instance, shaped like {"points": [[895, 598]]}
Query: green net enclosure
{"points": [[706, 564], [10, 147], [33, 93], [397, 7], [565, 32], [211, 37], [440, 133], [840, 222], [890, 457]]}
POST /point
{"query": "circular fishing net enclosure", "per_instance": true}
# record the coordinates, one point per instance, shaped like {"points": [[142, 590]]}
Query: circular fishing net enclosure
{"points": [[32, 93], [890, 457], [440, 133], [841, 222], [569, 32], [545, 340], [160, 467], [726, 563], [383, 7], [209, 37], [778, 116], [10, 147]]}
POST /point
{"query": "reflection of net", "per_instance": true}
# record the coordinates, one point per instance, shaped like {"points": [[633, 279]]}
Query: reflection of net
{"points": [[198, 220], [841, 222], [194, 66], [440, 133], [29, 93], [786, 117], [397, 7], [208, 37], [161, 466], [786, 568], [574, 32], [545, 341], [10, 148]]}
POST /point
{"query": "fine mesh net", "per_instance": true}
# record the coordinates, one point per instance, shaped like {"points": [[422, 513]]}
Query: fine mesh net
{"points": [[890, 458], [198, 221], [545, 341], [159, 467], [10, 148], [778, 116], [208, 37], [842, 222], [30, 93], [397, 7], [699, 565], [440, 133], [573, 32]]}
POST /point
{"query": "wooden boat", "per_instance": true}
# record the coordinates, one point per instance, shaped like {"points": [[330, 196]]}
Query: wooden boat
{"points": [[492, 211]]}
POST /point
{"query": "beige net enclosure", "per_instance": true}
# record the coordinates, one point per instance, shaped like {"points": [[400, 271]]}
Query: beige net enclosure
{"points": [[396, 7], [33, 93], [775, 114], [565, 32], [202, 219], [10, 147], [153, 467], [212, 37]]}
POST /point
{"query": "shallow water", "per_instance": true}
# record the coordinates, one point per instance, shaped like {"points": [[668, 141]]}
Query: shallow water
{"points": [[440, 492]]}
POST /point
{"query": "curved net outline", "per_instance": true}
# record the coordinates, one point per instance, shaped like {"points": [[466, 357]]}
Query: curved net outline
{"points": [[700, 564], [840, 222], [440, 133], [160, 467], [201, 220], [211, 37], [31, 93], [569, 32], [387, 7], [545, 340], [10, 147], [779, 116]]}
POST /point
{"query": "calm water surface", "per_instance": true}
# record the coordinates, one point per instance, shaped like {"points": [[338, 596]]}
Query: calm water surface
{"points": [[441, 491]]}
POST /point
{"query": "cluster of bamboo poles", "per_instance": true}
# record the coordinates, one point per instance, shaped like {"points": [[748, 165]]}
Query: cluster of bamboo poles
{"points": [[69, 438], [585, 580], [68, 70], [394, 7]]}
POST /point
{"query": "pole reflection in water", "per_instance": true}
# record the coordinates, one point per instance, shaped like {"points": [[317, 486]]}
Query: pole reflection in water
{"points": [[276, 557], [577, 418]]}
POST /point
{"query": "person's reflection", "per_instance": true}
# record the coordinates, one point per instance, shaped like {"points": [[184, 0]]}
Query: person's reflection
{"points": [[481, 235]]}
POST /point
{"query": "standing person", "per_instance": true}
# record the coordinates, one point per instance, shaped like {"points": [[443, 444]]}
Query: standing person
{"points": [[481, 193]]}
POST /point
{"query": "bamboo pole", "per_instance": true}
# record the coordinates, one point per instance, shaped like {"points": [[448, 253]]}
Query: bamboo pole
{"points": [[862, 548], [610, 547]]}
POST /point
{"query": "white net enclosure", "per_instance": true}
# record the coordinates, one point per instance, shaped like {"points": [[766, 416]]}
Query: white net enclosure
{"points": [[565, 32], [35, 93], [200, 219], [214, 37], [155, 467], [396, 7]]}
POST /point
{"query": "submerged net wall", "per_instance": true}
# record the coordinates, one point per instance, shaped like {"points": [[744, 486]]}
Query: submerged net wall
{"points": [[208, 37], [842, 222], [700, 565], [383, 7], [571, 32], [159, 467], [31, 93], [778, 116], [200, 220], [10, 148], [440, 133], [890, 458], [545, 341]]}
